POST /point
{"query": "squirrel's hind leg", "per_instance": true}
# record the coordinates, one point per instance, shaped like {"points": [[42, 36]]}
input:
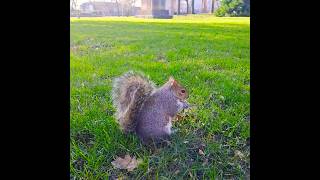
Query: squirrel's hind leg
{"points": [[168, 127]]}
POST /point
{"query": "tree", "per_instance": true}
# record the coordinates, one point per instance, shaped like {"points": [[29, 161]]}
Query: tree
{"points": [[133, 3], [118, 8], [178, 6], [212, 6], [192, 6], [204, 4], [73, 9], [234, 8], [187, 1]]}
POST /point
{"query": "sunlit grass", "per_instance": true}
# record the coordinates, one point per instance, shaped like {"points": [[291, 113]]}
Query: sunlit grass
{"points": [[209, 55], [176, 19]]}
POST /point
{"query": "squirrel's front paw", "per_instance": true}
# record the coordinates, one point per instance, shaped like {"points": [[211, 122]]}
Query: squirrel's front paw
{"points": [[173, 131]]}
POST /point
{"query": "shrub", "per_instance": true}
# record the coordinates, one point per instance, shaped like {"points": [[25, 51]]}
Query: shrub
{"points": [[233, 8]]}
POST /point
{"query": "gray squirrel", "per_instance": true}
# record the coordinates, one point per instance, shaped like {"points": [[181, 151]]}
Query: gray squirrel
{"points": [[144, 109]]}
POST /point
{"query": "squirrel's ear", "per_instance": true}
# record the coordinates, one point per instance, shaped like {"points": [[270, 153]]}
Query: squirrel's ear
{"points": [[171, 80]]}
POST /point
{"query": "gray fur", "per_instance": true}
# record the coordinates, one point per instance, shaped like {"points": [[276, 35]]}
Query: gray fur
{"points": [[156, 112], [143, 108], [128, 94]]}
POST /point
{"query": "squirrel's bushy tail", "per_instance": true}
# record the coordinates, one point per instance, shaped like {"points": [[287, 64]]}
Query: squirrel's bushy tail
{"points": [[128, 93]]}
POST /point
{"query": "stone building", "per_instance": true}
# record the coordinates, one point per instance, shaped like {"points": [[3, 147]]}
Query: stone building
{"points": [[168, 8], [109, 8]]}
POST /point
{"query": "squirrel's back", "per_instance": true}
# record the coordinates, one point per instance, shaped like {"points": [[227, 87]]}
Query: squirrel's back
{"points": [[128, 94]]}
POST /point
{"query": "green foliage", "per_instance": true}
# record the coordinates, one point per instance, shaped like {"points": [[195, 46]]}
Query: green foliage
{"points": [[233, 8]]}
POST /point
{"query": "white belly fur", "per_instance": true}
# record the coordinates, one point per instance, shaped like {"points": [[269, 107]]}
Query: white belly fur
{"points": [[168, 127]]}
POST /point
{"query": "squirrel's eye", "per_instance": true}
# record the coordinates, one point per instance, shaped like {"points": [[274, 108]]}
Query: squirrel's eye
{"points": [[183, 91]]}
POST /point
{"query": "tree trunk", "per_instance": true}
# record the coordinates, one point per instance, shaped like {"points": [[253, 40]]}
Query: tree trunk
{"points": [[187, 6], [178, 6], [212, 7], [205, 8], [117, 3], [133, 7], [121, 10], [192, 6]]}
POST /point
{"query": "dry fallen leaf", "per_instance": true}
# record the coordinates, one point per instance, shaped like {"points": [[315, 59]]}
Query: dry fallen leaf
{"points": [[213, 138], [178, 118], [201, 152], [177, 172], [239, 154], [122, 178], [205, 162], [126, 163]]}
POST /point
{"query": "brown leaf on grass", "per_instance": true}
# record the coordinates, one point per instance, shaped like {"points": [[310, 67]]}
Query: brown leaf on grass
{"points": [[178, 118], [126, 163], [238, 154], [201, 152], [205, 162], [121, 178], [186, 114]]}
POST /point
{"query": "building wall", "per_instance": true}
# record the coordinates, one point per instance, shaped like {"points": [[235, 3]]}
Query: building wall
{"points": [[106, 9], [88, 8]]}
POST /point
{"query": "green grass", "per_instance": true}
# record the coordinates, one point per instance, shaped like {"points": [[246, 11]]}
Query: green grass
{"points": [[210, 56]]}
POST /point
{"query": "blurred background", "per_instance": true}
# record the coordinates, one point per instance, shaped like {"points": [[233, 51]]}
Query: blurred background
{"points": [[158, 8]]}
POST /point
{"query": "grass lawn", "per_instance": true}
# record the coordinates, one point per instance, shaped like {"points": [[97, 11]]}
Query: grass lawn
{"points": [[210, 56]]}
